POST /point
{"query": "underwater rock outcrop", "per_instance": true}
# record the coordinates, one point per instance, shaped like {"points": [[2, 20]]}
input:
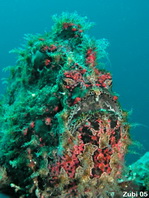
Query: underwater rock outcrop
{"points": [[63, 131], [139, 172]]}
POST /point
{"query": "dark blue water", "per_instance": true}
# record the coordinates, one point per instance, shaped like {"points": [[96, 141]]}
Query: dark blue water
{"points": [[125, 23]]}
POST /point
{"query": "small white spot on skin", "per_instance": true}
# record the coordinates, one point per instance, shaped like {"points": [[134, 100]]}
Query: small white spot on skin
{"points": [[97, 99], [78, 108], [63, 93]]}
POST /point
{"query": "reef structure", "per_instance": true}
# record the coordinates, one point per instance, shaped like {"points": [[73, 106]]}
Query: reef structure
{"points": [[139, 172], [63, 131]]}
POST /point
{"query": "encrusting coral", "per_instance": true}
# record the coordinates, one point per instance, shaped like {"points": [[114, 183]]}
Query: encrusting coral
{"points": [[64, 133]]}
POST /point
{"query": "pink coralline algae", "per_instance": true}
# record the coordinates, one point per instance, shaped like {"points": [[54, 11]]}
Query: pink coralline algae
{"points": [[64, 133]]}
